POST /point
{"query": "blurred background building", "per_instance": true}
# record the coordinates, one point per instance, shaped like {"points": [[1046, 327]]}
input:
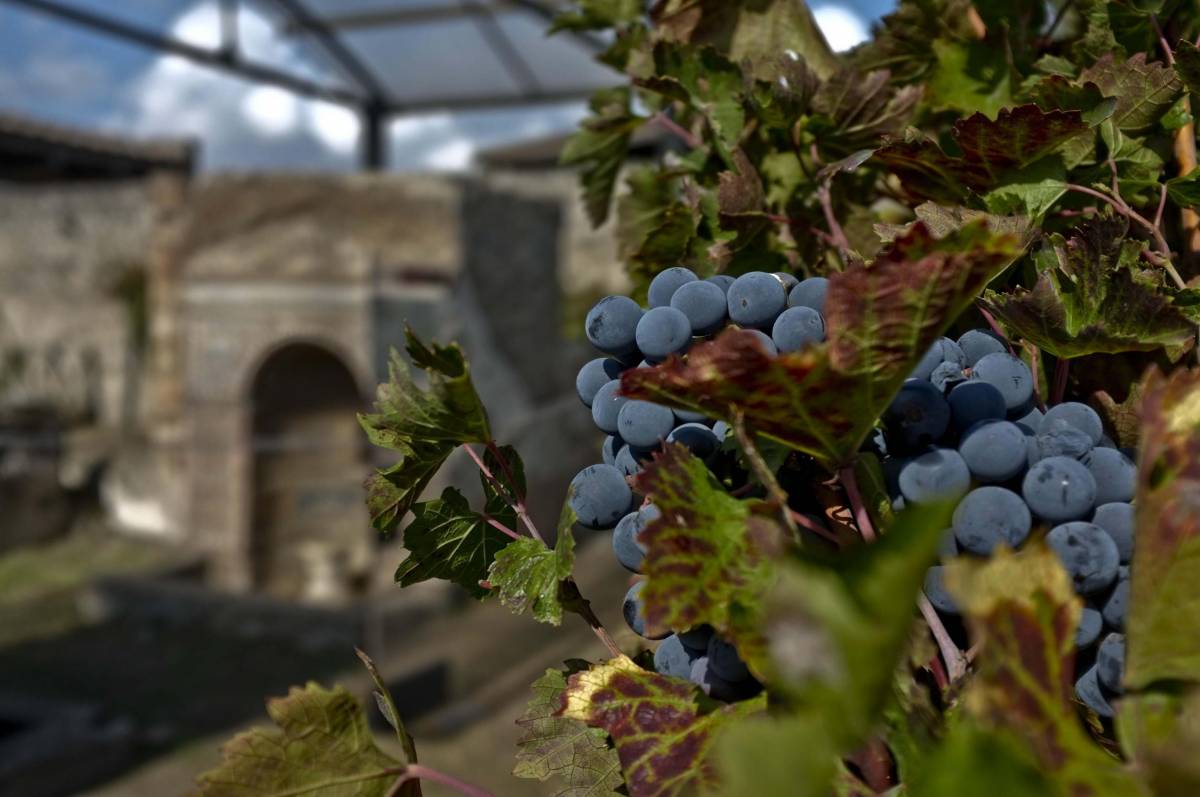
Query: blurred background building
{"points": [[215, 219]]}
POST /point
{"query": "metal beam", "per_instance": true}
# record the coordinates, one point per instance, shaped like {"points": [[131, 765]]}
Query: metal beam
{"points": [[492, 102], [502, 46], [228, 62], [328, 38]]}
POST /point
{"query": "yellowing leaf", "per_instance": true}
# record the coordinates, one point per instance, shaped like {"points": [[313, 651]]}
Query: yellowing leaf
{"points": [[662, 727], [323, 747]]}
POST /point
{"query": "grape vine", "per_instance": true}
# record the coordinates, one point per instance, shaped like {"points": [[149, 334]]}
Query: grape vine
{"points": [[902, 438]]}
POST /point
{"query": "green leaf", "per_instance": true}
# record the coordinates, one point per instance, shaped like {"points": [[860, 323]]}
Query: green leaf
{"points": [[597, 15], [748, 30], [1144, 91], [555, 746], [1165, 591], [1030, 191], [972, 76], [880, 320], [1093, 295], [992, 151], [528, 576], [449, 540], [1160, 735], [1023, 612], [709, 82], [836, 631], [387, 707], [1187, 65], [654, 228], [709, 556], [1184, 190], [853, 110], [600, 147], [424, 425], [323, 746], [970, 757], [662, 727]]}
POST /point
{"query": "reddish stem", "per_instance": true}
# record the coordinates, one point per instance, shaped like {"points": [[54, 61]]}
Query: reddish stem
{"points": [[835, 228], [1059, 389], [685, 135], [939, 673], [496, 524], [518, 499], [421, 772], [804, 521], [1162, 205], [995, 327], [955, 664], [861, 516]]}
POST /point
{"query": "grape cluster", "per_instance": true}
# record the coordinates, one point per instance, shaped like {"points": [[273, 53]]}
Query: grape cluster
{"points": [[785, 314], [965, 427]]}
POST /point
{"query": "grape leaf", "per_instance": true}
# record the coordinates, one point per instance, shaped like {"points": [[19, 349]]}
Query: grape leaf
{"points": [[1023, 612], [880, 319], [710, 83], [654, 228], [1160, 735], [424, 425], [597, 15], [600, 146], [970, 756], [855, 109], [972, 76], [1187, 65], [447, 539], [323, 745], [1093, 295], [941, 221], [750, 30], [662, 727], [528, 576], [1144, 91], [1165, 592], [551, 745], [709, 556], [836, 631], [1184, 190], [992, 151]]}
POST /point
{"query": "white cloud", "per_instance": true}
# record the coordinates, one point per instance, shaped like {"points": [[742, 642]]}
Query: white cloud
{"points": [[842, 27], [243, 125]]}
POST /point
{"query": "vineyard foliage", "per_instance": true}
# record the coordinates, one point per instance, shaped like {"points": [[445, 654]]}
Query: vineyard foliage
{"points": [[1020, 164]]}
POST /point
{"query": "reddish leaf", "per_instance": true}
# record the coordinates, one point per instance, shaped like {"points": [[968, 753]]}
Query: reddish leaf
{"points": [[991, 150], [880, 320], [1165, 594], [708, 555], [662, 727]]}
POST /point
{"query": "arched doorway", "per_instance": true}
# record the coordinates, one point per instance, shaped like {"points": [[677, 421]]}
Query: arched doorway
{"points": [[310, 533]]}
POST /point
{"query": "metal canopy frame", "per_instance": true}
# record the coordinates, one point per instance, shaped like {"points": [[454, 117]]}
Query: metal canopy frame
{"points": [[369, 96]]}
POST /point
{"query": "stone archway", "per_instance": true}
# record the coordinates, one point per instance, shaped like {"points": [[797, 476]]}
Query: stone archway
{"points": [[309, 531]]}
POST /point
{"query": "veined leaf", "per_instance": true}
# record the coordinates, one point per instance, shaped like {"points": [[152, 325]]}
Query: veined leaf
{"points": [[529, 576], [1022, 610], [563, 747], [1187, 64], [836, 632], [1144, 91], [1094, 296], [992, 151], [709, 556], [971, 756], [600, 146], [853, 110], [598, 15], [449, 540], [1165, 592], [709, 82], [662, 727], [880, 319], [424, 425], [1184, 190], [747, 30], [323, 746], [970, 76], [1160, 733], [654, 227]]}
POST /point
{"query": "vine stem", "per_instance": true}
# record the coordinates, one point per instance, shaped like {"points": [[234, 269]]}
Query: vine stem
{"points": [[861, 516], [421, 772], [764, 474], [1061, 369], [835, 228], [518, 506], [496, 524], [806, 522], [1123, 209], [956, 666], [685, 135]]}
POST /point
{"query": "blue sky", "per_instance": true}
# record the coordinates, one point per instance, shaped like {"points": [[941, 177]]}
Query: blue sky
{"points": [[55, 72]]}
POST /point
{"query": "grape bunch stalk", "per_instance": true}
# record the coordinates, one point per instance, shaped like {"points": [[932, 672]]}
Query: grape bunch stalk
{"points": [[967, 427], [784, 314]]}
